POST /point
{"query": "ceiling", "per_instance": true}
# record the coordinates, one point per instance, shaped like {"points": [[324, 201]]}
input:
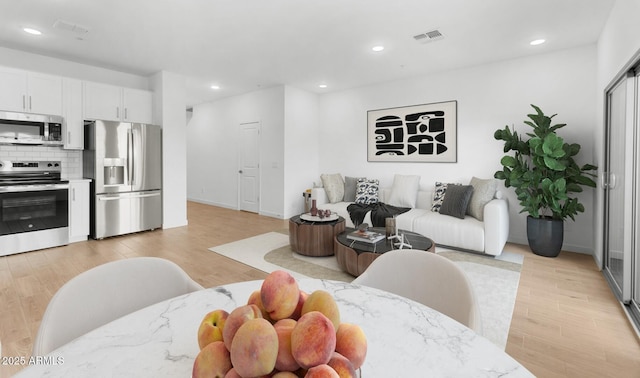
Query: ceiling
{"points": [[244, 45]]}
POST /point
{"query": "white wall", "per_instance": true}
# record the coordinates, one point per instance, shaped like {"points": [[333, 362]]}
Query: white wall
{"points": [[489, 97], [170, 112], [212, 154], [301, 147], [619, 42]]}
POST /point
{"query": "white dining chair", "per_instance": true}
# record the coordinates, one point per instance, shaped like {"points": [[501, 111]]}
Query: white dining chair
{"points": [[427, 278], [105, 293]]}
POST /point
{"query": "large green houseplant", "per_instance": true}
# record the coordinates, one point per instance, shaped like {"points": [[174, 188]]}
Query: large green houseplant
{"points": [[544, 174]]}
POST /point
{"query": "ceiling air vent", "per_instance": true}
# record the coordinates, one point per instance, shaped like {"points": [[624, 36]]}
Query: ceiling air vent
{"points": [[430, 36], [71, 27]]}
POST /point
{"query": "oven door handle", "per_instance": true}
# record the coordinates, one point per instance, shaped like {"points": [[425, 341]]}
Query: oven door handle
{"points": [[32, 188]]}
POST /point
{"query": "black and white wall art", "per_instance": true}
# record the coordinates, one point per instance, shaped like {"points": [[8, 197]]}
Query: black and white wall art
{"points": [[419, 133]]}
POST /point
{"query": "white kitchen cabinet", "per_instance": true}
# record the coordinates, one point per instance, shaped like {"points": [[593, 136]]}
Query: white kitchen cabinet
{"points": [[113, 103], [138, 105], [73, 128], [79, 212], [32, 92]]}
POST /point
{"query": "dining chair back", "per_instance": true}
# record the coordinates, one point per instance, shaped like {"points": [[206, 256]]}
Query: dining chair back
{"points": [[104, 293], [427, 278]]}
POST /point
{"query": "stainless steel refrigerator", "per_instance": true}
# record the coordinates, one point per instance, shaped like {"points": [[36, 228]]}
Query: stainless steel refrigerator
{"points": [[124, 162]]}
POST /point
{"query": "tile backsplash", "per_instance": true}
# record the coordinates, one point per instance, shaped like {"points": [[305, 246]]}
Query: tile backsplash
{"points": [[71, 159]]}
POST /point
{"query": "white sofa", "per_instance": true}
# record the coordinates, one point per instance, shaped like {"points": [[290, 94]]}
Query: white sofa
{"points": [[488, 236]]}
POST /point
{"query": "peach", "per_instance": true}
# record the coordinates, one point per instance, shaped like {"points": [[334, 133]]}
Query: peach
{"points": [[342, 366], [285, 374], [211, 327], [321, 371], [297, 313], [313, 340], [232, 374], [254, 349], [236, 319], [212, 361], [324, 302], [351, 342], [280, 294], [255, 299], [285, 360]]}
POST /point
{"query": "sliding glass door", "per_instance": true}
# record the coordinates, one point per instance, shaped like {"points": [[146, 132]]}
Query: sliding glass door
{"points": [[617, 202], [622, 190], [635, 274]]}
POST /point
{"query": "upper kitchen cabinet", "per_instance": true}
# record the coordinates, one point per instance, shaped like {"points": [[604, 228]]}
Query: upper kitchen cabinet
{"points": [[30, 92], [73, 128], [112, 103]]}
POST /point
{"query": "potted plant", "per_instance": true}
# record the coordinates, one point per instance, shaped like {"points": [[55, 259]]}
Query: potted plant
{"points": [[544, 174]]}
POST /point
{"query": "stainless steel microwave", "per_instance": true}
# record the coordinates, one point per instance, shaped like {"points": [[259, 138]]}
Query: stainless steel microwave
{"points": [[30, 129]]}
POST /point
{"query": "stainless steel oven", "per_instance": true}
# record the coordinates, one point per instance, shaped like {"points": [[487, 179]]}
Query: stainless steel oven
{"points": [[34, 206]]}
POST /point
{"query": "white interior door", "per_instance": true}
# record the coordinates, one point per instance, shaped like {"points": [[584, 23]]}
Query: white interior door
{"points": [[249, 167]]}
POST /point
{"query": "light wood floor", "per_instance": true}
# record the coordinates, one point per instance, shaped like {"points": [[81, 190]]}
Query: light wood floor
{"points": [[566, 321]]}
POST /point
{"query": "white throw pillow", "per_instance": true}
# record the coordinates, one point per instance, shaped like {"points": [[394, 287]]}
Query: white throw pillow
{"points": [[333, 186], [404, 191]]}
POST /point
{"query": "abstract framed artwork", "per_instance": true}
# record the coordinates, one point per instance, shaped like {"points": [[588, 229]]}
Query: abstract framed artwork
{"points": [[419, 133]]}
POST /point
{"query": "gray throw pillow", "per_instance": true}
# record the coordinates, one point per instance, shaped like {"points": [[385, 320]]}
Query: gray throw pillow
{"points": [[456, 200], [483, 192], [350, 186]]}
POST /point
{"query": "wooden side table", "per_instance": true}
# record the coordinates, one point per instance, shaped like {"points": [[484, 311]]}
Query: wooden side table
{"points": [[355, 257], [310, 238]]}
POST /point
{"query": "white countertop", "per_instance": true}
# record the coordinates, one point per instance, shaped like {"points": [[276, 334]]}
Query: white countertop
{"points": [[405, 339]]}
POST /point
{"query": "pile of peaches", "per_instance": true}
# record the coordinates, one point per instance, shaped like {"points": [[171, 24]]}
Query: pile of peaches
{"points": [[282, 332]]}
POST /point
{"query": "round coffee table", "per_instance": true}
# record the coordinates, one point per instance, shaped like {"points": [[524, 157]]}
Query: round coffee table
{"points": [[355, 257], [314, 237]]}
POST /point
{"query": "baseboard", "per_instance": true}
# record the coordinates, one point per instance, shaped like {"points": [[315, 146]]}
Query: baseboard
{"points": [[213, 203], [270, 214], [565, 246]]}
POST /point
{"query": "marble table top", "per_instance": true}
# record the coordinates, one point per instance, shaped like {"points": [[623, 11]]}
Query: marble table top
{"points": [[405, 339]]}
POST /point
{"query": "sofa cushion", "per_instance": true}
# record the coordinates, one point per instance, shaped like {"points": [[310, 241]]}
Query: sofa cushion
{"points": [[405, 221], [456, 200], [367, 191], [350, 186], [467, 233], [483, 192], [404, 191], [334, 186]]}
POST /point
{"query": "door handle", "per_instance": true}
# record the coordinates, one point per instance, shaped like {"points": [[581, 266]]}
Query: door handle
{"points": [[240, 171], [612, 181]]}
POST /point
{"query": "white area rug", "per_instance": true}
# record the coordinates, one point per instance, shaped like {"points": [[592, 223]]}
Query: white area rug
{"points": [[495, 280]]}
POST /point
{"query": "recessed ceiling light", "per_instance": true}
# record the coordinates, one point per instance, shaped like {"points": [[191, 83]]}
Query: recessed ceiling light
{"points": [[377, 48], [32, 31], [537, 42], [215, 87], [322, 85]]}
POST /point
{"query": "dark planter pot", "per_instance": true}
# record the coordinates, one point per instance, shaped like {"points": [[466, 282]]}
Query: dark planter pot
{"points": [[545, 235]]}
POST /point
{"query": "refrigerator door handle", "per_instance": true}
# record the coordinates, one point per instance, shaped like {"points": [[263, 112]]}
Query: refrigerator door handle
{"points": [[114, 198], [130, 157], [146, 195]]}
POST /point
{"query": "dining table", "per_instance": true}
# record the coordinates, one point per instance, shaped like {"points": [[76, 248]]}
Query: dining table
{"points": [[404, 338]]}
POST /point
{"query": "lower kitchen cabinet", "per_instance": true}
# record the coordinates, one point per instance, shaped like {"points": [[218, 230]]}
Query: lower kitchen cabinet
{"points": [[78, 210]]}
